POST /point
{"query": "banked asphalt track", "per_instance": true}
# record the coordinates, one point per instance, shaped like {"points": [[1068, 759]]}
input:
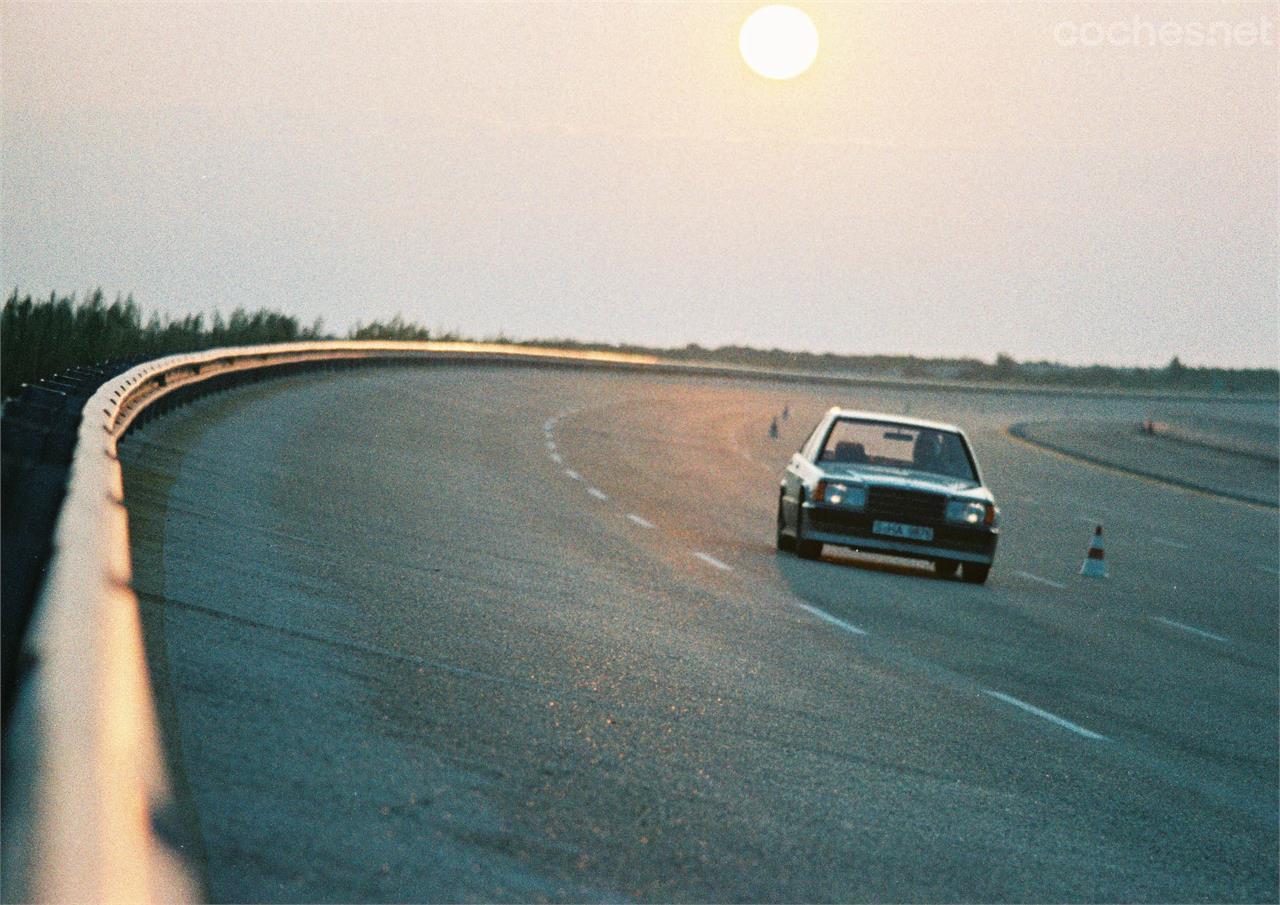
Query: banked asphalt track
{"points": [[476, 633]]}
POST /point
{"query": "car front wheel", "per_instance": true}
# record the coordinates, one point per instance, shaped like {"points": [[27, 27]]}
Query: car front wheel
{"points": [[805, 549], [785, 543], [975, 573], [946, 568]]}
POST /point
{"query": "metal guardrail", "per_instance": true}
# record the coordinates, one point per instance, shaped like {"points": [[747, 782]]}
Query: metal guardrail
{"points": [[38, 431], [86, 787]]}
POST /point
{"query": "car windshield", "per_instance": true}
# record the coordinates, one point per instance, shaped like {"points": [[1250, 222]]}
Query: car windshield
{"points": [[880, 443]]}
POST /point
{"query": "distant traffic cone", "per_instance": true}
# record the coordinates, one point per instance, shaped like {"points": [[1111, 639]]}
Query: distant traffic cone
{"points": [[773, 429], [1095, 562], [786, 411]]}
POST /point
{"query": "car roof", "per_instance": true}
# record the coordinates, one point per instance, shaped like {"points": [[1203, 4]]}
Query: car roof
{"points": [[905, 421]]}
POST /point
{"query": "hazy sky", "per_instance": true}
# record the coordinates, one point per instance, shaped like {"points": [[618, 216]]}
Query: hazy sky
{"points": [[1052, 180]]}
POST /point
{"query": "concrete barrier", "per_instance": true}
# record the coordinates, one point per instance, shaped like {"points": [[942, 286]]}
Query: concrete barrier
{"points": [[1216, 441], [1142, 465]]}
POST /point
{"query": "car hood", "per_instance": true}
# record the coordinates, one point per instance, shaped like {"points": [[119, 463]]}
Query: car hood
{"points": [[909, 480]]}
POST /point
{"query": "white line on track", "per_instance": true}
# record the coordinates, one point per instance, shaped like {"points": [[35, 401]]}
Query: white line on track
{"points": [[551, 445], [642, 522], [827, 617], [712, 561], [572, 475], [1036, 578], [557, 458], [548, 425], [1269, 570], [1044, 714], [598, 494], [1170, 543], [1189, 628]]}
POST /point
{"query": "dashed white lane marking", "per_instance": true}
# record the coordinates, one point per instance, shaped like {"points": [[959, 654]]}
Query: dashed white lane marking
{"points": [[1170, 543], [598, 494], [551, 445], [572, 475], [827, 617], [1044, 714], [642, 522], [1038, 579], [548, 425], [1190, 628], [1269, 570], [557, 458], [712, 561]]}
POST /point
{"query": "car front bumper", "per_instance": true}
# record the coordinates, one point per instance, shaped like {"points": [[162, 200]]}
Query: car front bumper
{"points": [[845, 528]]}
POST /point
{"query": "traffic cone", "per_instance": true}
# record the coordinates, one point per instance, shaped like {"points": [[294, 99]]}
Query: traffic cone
{"points": [[1095, 562], [773, 429]]}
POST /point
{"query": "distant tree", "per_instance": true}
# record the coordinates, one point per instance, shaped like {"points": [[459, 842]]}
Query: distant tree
{"points": [[395, 329]]}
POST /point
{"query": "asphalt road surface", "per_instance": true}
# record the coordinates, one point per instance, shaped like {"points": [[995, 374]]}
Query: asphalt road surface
{"points": [[489, 634]]}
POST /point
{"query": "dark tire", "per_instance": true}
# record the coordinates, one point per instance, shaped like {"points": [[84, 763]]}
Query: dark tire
{"points": [[946, 568], [805, 549], [785, 544], [975, 573]]}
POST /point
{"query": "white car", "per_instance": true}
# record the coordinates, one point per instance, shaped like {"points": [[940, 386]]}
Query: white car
{"points": [[889, 484]]}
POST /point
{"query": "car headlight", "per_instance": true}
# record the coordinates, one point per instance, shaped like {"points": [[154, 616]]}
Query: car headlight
{"points": [[971, 513], [838, 493]]}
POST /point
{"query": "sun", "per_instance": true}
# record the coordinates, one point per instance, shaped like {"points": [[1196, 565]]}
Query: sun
{"points": [[778, 42]]}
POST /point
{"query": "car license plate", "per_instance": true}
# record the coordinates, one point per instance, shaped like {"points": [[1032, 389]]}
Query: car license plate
{"points": [[894, 529]]}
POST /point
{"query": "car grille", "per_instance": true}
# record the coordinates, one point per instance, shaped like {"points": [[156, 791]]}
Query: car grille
{"points": [[905, 505]]}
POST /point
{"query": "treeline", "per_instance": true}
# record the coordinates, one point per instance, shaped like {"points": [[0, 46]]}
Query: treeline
{"points": [[39, 338], [1004, 370], [397, 328]]}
